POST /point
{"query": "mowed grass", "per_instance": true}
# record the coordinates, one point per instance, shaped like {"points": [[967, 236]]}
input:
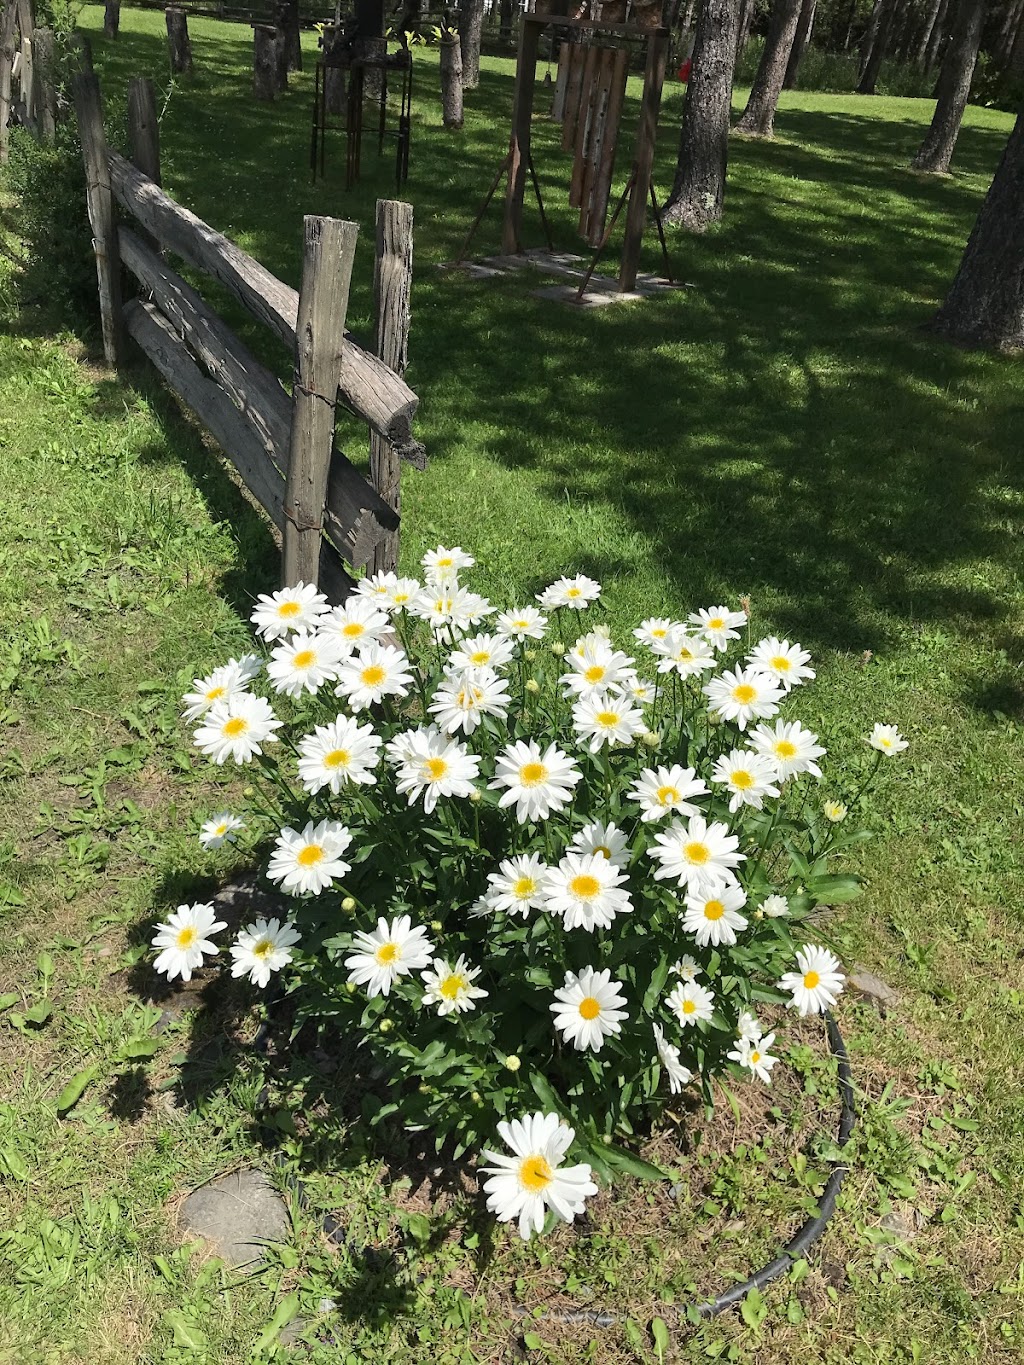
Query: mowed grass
{"points": [[784, 429]]}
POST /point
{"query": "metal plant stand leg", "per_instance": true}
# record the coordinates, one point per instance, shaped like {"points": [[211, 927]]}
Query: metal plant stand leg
{"points": [[607, 234], [661, 235]]}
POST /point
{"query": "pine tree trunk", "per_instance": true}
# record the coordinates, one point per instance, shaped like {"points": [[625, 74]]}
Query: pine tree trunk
{"points": [[506, 12], [699, 189], [747, 8], [1004, 43], [471, 29], [759, 116], [1015, 61], [985, 306], [926, 32], [451, 83], [878, 49], [953, 90], [938, 33], [800, 43], [179, 47], [111, 18], [286, 17]]}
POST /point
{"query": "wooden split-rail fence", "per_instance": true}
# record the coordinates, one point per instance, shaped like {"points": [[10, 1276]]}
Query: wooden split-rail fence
{"points": [[28, 92]]}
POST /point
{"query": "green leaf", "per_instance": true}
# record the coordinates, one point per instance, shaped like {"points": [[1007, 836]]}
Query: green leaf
{"points": [[622, 1160], [753, 1309], [286, 1310], [418, 1226], [76, 1088], [6, 1001], [11, 1164], [139, 1048], [543, 1091], [532, 1341], [185, 1333], [658, 979], [46, 968], [834, 890], [660, 1336], [633, 1333], [38, 1013]]}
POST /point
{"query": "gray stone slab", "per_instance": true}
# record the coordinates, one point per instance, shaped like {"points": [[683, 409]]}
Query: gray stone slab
{"points": [[872, 988], [237, 1213], [593, 298]]}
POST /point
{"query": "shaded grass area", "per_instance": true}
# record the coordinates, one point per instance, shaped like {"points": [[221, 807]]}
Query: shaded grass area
{"points": [[784, 429]]}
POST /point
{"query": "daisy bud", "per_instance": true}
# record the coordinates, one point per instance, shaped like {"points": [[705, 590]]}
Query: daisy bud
{"points": [[348, 905], [557, 648], [607, 1139], [759, 913], [512, 1062], [835, 811], [475, 795], [386, 1026], [351, 987], [436, 925], [529, 655], [650, 740], [532, 685], [426, 1090], [714, 718], [476, 1097], [248, 791]]}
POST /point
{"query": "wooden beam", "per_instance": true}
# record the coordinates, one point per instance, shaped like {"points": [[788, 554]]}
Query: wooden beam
{"points": [[373, 392], [328, 256], [606, 170], [100, 202], [392, 287], [643, 159], [44, 95], [519, 142]]}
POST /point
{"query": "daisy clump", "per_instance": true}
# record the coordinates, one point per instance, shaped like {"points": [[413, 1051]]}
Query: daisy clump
{"points": [[525, 854]]}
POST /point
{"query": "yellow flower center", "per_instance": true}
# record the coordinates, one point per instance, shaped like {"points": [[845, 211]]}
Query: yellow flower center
{"points": [[607, 718], [666, 795], [594, 673], [221, 829], [400, 597], [885, 742], [532, 774], [373, 675], [524, 887], [479, 656], [436, 768], [186, 937], [684, 654], [744, 693], [811, 979], [714, 910], [659, 632], [337, 758], [289, 609], [310, 855], [741, 779], [386, 954], [445, 563], [521, 625], [689, 1007], [589, 1007], [604, 851], [214, 693], [452, 986], [785, 748], [755, 1057], [696, 853], [353, 630], [264, 948], [716, 623], [781, 664], [304, 658], [236, 726], [584, 886], [535, 1173], [573, 592]]}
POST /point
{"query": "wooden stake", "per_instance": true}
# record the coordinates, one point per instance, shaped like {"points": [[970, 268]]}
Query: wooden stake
{"points": [[144, 127], [100, 201], [26, 82], [7, 29], [561, 81], [519, 142], [264, 62], [179, 45], [111, 18], [643, 158], [45, 95], [392, 285], [328, 254]]}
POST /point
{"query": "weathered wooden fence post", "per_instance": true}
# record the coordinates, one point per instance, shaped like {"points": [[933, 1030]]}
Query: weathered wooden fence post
{"points": [[101, 211], [179, 45], [281, 58], [392, 285], [451, 82], [27, 83], [45, 97], [328, 256], [264, 61], [83, 44], [144, 127], [111, 18], [7, 33], [286, 17]]}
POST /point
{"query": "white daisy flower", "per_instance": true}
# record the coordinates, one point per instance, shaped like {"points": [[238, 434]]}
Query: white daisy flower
{"points": [[754, 1054], [263, 947], [523, 623], [602, 718], [304, 662], [435, 766], [402, 594], [608, 840], [586, 890], [451, 988], [595, 668], [519, 885], [691, 1003], [774, 907], [781, 660], [598, 638], [443, 566], [343, 751], [308, 863], [587, 1009], [526, 1185], [220, 830], [298, 608], [450, 611], [668, 1054], [818, 981], [576, 593], [714, 919], [748, 1029], [700, 856], [750, 778], [635, 689], [237, 728], [355, 623], [790, 747], [390, 951], [535, 783], [378, 588], [687, 655], [743, 695], [654, 630], [372, 673], [718, 625], [481, 651], [687, 968], [464, 698], [184, 940], [887, 739], [222, 684], [835, 811], [662, 791]]}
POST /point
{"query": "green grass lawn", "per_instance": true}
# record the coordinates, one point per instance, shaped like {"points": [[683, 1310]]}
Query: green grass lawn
{"points": [[785, 429]]}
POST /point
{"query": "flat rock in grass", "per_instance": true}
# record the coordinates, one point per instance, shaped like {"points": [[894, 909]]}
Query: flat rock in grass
{"points": [[872, 988], [238, 1213]]}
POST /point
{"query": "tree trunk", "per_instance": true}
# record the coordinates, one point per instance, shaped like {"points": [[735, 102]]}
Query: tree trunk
{"points": [[851, 19], [800, 44], [878, 49], [1007, 32], [264, 62], [471, 29], [926, 32], [759, 116], [954, 88], [691, 5], [451, 83], [506, 12], [286, 17], [111, 18], [747, 8], [281, 58], [870, 36], [985, 306], [1015, 61], [938, 33], [179, 46], [698, 193]]}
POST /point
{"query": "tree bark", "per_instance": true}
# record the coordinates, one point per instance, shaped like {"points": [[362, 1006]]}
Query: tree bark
{"points": [[985, 306], [1015, 61], [747, 8], [471, 30], [179, 47], [264, 62], [286, 17], [506, 12], [1004, 43], [938, 33], [698, 193], [451, 83], [927, 28], [111, 18], [877, 49], [800, 44], [759, 116], [954, 88]]}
